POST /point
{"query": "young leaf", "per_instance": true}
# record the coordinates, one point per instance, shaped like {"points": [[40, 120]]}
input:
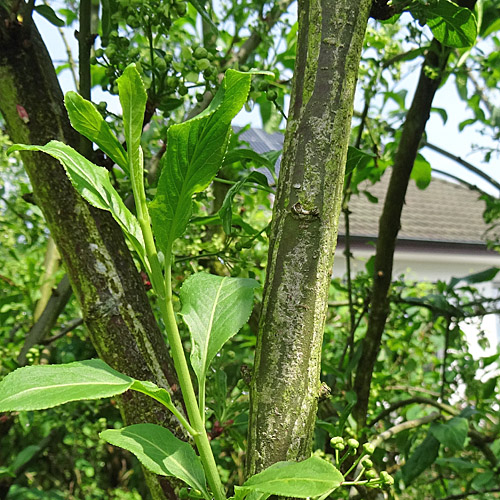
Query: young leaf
{"points": [[452, 433], [160, 452], [214, 308], [93, 183], [195, 150], [86, 120], [39, 387], [155, 392], [133, 99], [311, 478]]}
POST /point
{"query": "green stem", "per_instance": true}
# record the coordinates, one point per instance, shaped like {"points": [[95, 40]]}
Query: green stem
{"points": [[181, 366], [163, 288]]}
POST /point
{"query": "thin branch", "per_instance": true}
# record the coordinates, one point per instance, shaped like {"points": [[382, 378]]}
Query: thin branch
{"points": [[470, 493], [464, 163], [74, 323], [447, 336], [461, 181], [48, 318], [412, 389], [416, 399], [409, 424]]}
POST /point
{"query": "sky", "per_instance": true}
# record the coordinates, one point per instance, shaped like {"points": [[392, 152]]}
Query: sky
{"points": [[445, 135]]}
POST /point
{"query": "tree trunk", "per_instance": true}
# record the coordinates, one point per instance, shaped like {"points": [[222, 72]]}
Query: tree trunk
{"points": [[390, 221], [103, 275], [285, 382]]}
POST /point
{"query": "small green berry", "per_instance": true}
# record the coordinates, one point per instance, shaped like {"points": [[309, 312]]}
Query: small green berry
{"points": [[371, 474], [386, 477], [203, 64], [367, 463], [368, 448], [200, 53], [337, 439], [182, 90], [353, 443], [271, 95]]}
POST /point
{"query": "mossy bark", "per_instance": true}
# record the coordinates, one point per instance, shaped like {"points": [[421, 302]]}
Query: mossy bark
{"points": [[103, 275], [286, 376]]}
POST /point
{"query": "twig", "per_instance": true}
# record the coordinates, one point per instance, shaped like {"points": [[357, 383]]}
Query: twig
{"points": [[39, 330], [68, 328], [464, 163], [470, 493], [416, 399], [409, 424]]}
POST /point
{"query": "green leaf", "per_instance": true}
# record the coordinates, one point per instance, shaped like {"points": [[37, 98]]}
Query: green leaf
{"points": [[152, 390], [452, 433], [160, 452], [86, 120], [226, 210], [133, 98], [421, 172], [311, 478], [244, 154], [49, 14], [214, 308], [195, 151], [480, 277], [424, 456], [483, 480], [24, 457], [452, 25], [442, 113], [44, 386], [357, 159], [93, 183]]}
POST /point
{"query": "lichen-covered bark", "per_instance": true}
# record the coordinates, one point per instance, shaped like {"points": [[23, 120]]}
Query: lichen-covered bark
{"points": [[389, 224], [104, 278], [285, 381]]}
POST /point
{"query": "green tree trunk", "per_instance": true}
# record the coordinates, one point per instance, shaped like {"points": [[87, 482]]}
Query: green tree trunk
{"points": [[110, 292], [285, 382]]}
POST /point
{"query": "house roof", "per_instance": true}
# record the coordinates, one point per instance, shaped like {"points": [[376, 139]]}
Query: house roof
{"points": [[444, 213]]}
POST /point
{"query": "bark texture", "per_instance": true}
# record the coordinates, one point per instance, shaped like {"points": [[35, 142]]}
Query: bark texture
{"points": [[389, 224], [286, 381], [113, 300]]}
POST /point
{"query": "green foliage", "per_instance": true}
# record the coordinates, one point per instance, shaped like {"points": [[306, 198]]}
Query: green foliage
{"points": [[40, 387], [214, 308], [180, 63], [195, 150], [86, 120], [313, 477], [93, 183], [422, 457], [160, 452]]}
